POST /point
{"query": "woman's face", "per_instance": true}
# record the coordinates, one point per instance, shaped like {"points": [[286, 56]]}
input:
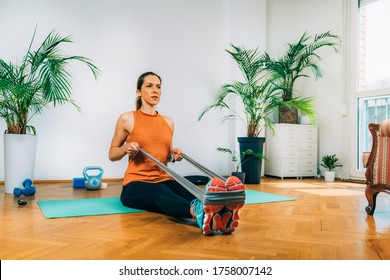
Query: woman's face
{"points": [[150, 90]]}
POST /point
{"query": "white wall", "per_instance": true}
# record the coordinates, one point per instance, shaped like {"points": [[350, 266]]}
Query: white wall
{"points": [[248, 29], [286, 22], [183, 41]]}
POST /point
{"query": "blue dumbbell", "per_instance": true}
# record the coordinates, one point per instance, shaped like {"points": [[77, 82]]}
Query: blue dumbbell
{"points": [[27, 190], [27, 184]]}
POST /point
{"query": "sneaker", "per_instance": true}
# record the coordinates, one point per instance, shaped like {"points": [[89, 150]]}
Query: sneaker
{"points": [[197, 212], [215, 219], [233, 184], [208, 217], [212, 219]]}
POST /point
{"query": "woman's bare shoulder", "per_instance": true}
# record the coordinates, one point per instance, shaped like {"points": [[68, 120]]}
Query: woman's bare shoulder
{"points": [[126, 116], [169, 121], [126, 121]]}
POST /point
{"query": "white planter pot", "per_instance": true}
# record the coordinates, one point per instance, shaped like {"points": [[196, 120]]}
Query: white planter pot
{"points": [[329, 176], [19, 159]]}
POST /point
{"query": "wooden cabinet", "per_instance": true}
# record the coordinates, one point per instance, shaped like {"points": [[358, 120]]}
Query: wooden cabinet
{"points": [[291, 151]]}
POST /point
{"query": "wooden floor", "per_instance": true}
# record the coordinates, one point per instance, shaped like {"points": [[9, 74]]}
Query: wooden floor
{"points": [[326, 222]]}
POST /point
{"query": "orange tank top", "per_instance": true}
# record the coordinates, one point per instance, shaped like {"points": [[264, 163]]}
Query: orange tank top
{"points": [[154, 135]]}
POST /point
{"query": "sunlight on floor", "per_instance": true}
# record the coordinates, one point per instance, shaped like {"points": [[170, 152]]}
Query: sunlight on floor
{"points": [[332, 192]]}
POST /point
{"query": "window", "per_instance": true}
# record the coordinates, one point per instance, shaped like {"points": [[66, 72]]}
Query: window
{"points": [[371, 110], [374, 45], [374, 70]]}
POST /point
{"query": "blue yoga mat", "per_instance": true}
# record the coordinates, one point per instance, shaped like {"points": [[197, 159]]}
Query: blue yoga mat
{"points": [[83, 207], [255, 197], [112, 205]]}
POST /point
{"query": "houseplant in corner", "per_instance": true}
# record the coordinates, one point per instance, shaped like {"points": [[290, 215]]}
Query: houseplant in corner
{"points": [[238, 160], [299, 60], [259, 97], [330, 162], [41, 78]]}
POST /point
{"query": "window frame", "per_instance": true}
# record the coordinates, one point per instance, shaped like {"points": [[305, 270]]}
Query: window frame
{"points": [[356, 93]]}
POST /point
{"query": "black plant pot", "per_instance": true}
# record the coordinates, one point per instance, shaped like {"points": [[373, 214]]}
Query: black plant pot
{"points": [[251, 165], [239, 175]]}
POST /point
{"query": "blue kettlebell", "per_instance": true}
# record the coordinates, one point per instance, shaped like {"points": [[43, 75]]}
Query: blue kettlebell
{"points": [[93, 177]]}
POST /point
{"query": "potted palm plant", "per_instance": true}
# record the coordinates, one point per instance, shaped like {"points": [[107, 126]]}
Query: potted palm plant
{"points": [[330, 162], [260, 97], [41, 78], [238, 160], [299, 60]]}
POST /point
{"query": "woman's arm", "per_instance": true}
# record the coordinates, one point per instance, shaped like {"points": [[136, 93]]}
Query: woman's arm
{"points": [[123, 128], [175, 154]]}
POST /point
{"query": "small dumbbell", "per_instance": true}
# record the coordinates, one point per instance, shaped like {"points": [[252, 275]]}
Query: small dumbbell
{"points": [[27, 190], [27, 184]]}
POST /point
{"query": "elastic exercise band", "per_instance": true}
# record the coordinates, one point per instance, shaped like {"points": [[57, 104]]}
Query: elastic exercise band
{"points": [[208, 172], [209, 198]]}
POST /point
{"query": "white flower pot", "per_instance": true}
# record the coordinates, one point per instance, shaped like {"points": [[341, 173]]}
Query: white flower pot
{"points": [[19, 159], [329, 176]]}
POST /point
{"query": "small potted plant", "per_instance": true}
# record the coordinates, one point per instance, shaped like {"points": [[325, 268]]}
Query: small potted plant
{"points": [[238, 160], [330, 162]]}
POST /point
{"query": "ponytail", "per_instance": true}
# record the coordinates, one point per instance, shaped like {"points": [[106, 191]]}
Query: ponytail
{"points": [[138, 103]]}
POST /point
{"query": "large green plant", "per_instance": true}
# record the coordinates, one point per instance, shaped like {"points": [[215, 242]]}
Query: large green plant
{"points": [[258, 93], [40, 79], [299, 60]]}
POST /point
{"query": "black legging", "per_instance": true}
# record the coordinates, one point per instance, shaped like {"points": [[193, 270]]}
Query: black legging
{"points": [[167, 197]]}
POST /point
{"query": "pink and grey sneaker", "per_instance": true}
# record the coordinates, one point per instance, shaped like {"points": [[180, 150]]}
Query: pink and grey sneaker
{"points": [[233, 184], [214, 214], [218, 218]]}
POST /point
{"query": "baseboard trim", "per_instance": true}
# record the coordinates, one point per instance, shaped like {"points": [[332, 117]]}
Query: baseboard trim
{"points": [[114, 180], [106, 180]]}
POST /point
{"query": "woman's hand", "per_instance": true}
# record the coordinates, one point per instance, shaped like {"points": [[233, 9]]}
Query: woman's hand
{"points": [[131, 149], [176, 154]]}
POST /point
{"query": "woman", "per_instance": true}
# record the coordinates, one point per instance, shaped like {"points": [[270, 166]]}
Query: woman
{"points": [[145, 185]]}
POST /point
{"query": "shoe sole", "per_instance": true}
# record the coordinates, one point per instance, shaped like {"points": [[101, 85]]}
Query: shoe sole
{"points": [[222, 218], [233, 184], [211, 221]]}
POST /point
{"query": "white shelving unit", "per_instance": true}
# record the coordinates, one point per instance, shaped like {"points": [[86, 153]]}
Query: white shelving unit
{"points": [[292, 151]]}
